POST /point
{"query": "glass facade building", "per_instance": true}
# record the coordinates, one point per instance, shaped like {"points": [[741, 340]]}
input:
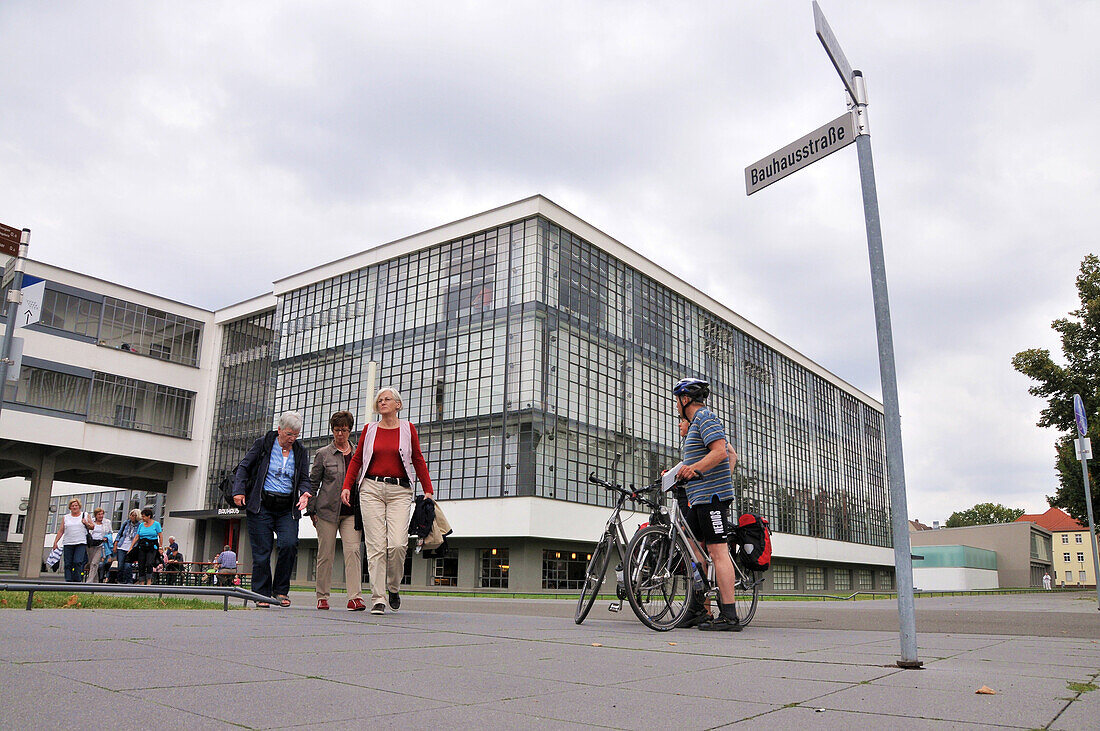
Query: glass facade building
{"points": [[529, 357]]}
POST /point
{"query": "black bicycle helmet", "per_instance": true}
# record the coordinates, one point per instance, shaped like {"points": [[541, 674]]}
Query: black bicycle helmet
{"points": [[694, 388]]}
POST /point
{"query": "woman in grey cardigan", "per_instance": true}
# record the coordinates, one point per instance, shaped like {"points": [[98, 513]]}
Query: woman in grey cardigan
{"points": [[330, 515]]}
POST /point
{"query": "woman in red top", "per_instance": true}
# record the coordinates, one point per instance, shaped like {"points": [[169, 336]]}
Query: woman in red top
{"points": [[383, 465]]}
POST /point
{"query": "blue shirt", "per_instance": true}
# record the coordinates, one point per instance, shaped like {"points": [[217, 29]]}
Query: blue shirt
{"points": [[706, 429], [280, 472], [151, 531]]}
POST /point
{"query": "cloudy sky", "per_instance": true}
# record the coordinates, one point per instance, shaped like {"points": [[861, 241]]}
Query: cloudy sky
{"points": [[202, 150]]}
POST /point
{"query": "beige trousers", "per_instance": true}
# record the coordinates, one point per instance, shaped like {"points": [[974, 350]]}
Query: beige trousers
{"points": [[326, 551], [385, 511], [95, 557]]}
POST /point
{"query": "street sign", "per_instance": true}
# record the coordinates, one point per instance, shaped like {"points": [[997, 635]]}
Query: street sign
{"points": [[9, 240], [836, 54], [1079, 415], [16, 357], [1083, 447], [30, 310], [823, 141], [9, 272]]}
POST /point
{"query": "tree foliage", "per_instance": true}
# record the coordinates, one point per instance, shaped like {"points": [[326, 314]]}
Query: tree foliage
{"points": [[1080, 335], [983, 514]]}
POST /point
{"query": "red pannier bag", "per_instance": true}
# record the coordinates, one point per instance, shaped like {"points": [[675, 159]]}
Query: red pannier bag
{"points": [[754, 538]]}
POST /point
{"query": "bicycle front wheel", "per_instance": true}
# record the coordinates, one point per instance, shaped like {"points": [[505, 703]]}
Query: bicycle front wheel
{"points": [[593, 578], [657, 575]]}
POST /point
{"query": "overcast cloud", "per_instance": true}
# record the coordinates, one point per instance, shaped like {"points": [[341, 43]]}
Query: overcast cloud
{"points": [[201, 150]]}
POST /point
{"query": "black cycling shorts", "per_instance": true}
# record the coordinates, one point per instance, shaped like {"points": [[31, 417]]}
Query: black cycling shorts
{"points": [[709, 522]]}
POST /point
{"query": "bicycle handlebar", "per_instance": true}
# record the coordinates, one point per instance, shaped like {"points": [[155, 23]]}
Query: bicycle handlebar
{"points": [[633, 494]]}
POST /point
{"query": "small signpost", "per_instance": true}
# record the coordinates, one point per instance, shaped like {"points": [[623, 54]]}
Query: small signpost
{"points": [[9, 240], [786, 161], [1084, 453], [13, 242], [16, 358], [30, 309]]}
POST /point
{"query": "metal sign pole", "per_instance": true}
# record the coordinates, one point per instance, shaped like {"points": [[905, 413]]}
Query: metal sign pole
{"points": [[895, 467], [15, 297], [1082, 451], [1092, 526]]}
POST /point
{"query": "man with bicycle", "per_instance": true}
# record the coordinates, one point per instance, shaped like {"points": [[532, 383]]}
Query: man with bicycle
{"points": [[708, 481]]}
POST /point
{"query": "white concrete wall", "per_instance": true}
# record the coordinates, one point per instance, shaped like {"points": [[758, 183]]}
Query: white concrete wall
{"points": [[943, 578]]}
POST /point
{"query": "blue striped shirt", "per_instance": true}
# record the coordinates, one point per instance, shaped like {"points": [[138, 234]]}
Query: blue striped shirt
{"points": [[706, 429]]}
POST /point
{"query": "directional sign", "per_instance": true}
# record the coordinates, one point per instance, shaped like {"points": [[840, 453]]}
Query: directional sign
{"points": [[34, 289], [9, 272], [1083, 447], [836, 54], [821, 142], [1079, 415], [9, 240]]}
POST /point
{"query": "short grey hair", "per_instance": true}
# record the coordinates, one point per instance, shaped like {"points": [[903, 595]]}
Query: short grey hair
{"points": [[291, 420], [396, 396]]}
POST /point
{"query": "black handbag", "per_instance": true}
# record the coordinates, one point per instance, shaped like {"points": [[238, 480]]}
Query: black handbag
{"points": [[89, 540], [274, 502]]}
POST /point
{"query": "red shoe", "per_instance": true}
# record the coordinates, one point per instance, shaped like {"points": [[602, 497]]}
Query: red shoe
{"points": [[356, 605], [322, 603]]}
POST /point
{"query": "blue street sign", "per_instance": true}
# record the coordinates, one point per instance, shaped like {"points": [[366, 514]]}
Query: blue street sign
{"points": [[1079, 415]]}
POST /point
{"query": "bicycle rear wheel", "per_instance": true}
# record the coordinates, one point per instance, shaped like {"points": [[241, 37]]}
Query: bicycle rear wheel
{"points": [[748, 582], [657, 575], [593, 578]]}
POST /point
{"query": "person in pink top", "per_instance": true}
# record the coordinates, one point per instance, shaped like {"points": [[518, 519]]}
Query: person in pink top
{"points": [[385, 460]]}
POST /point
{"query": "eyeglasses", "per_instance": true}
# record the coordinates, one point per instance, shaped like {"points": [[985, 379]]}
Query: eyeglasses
{"points": [[341, 430]]}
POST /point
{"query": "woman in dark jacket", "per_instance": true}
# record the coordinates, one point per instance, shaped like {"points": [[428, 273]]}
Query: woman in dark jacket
{"points": [[272, 484]]}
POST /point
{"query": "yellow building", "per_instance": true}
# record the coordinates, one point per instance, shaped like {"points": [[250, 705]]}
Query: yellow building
{"points": [[1072, 548]]}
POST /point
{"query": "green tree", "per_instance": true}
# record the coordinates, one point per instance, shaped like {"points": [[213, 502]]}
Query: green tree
{"points": [[983, 514], [1080, 334]]}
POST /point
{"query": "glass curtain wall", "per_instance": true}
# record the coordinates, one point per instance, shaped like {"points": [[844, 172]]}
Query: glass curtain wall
{"points": [[245, 410], [528, 357]]}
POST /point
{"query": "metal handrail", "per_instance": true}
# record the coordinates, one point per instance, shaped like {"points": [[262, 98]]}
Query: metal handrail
{"points": [[227, 592]]}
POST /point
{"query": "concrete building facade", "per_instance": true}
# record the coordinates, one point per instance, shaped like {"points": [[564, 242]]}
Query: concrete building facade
{"points": [[1072, 547], [1023, 550], [531, 349]]}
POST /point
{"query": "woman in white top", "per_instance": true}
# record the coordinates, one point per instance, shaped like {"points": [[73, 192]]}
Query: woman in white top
{"points": [[101, 528], [73, 536]]}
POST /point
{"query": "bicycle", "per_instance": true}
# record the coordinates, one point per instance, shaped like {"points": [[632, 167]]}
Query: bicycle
{"points": [[661, 574], [614, 537]]}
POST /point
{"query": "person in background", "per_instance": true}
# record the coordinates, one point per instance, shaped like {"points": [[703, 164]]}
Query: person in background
{"points": [[150, 546], [108, 560], [272, 484], [330, 514], [387, 456], [73, 536], [124, 542], [173, 547], [1046, 581], [227, 566], [101, 528]]}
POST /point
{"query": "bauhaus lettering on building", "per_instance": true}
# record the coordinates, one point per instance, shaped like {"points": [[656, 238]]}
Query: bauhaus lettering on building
{"points": [[809, 149]]}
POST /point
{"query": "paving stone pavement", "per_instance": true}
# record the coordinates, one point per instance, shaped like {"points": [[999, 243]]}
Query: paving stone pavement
{"points": [[506, 664]]}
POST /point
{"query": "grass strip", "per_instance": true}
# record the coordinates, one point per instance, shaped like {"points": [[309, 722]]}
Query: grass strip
{"points": [[66, 600]]}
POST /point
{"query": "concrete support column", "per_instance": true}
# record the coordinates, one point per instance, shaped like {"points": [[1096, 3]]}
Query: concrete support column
{"points": [[38, 510]]}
